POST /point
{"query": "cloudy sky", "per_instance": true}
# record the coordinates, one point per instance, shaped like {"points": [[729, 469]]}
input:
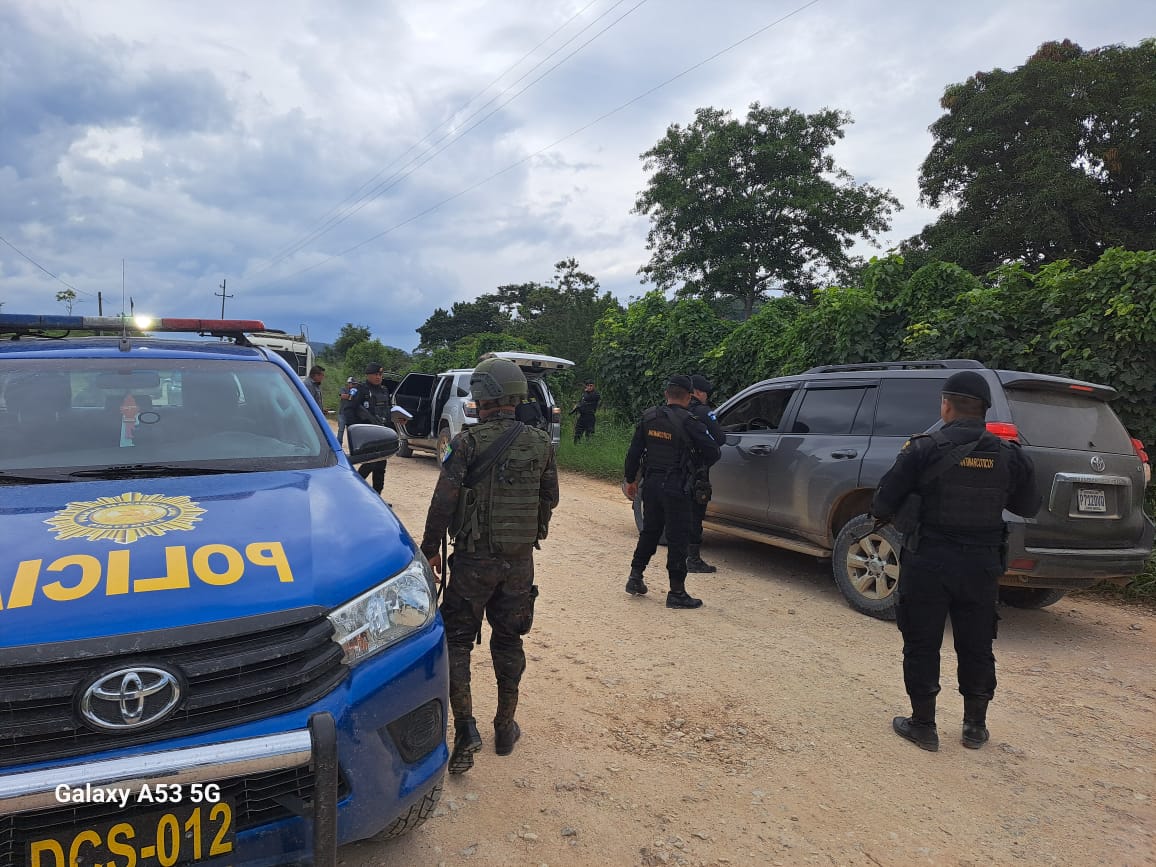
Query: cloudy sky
{"points": [[371, 160]]}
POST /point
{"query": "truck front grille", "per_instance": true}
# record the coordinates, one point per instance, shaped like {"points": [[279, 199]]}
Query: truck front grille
{"points": [[230, 677]]}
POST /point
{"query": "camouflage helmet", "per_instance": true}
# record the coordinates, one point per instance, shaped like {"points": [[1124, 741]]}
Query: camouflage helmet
{"points": [[498, 379]]}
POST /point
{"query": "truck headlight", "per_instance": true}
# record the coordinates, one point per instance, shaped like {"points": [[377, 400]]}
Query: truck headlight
{"points": [[387, 613]]}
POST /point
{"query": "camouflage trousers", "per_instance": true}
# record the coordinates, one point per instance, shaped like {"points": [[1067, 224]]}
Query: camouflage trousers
{"points": [[503, 590]]}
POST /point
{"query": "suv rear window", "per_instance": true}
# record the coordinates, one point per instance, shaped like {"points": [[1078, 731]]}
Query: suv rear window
{"points": [[1067, 421]]}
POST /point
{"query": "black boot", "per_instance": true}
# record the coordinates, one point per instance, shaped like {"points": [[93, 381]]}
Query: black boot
{"points": [[505, 736], [467, 741], [919, 728], [635, 586], [695, 563], [678, 597], [975, 732]]}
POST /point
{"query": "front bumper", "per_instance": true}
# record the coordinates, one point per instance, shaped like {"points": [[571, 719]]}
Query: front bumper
{"points": [[315, 747], [382, 768]]}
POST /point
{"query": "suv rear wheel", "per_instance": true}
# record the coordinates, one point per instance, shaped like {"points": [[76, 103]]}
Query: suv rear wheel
{"points": [[1030, 597], [866, 566]]}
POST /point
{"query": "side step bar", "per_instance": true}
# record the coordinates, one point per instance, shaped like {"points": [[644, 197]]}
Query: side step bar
{"points": [[766, 538]]}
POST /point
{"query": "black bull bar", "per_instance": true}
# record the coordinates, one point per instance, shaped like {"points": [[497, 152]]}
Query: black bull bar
{"points": [[31, 791]]}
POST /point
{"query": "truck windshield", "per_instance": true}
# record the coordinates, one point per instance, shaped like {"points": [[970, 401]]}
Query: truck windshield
{"points": [[58, 414]]}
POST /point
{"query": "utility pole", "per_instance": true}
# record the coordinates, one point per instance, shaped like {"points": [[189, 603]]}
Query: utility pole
{"points": [[223, 296], [99, 304]]}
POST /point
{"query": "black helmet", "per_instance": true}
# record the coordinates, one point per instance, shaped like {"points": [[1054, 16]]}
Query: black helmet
{"points": [[498, 378], [968, 383]]}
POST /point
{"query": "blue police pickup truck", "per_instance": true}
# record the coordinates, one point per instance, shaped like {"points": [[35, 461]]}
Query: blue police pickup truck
{"points": [[217, 644]]}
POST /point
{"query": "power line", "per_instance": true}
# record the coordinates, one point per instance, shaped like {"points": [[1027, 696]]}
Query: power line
{"points": [[42, 268], [548, 147], [429, 153], [324, 224]]}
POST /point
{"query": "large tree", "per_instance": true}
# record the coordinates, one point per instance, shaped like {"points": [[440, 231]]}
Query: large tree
{"points": [[484, 315], [1053, 160], [739, 208], [560, 315]]}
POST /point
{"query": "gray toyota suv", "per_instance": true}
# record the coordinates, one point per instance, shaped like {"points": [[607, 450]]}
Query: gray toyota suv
{"points": [[804, 453]]}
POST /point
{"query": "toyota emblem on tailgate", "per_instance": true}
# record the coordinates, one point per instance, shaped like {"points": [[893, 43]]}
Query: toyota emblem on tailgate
{"points": [[129, 699], [1098, 463]]}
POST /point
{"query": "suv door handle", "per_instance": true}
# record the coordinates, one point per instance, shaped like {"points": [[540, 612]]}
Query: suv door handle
{"points": [[844, 453], [760, 450]]}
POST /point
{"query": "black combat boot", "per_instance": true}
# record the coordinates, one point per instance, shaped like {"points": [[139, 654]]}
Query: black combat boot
{"points": [[919, 728], [505, 736], [635, 586], [467, 741], [975, 732], [695, 563], [678, 597]]}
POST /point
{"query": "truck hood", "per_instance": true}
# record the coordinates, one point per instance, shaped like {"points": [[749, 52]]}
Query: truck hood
{"points": [[94, 559]]}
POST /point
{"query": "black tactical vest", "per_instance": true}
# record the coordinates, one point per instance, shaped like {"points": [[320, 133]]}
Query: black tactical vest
{"points": [[667, 451], [969, 499]]}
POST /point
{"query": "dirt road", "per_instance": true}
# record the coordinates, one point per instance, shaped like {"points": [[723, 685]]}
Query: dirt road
{"points": [[757, 730]]}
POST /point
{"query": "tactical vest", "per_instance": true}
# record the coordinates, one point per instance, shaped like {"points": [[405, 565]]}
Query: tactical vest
{"points": [[667, 448], [970, 497], [507, 496]]}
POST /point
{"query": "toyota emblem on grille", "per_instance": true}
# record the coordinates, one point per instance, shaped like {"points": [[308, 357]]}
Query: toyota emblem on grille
{"points": [[129, 699], [1098, 463]]}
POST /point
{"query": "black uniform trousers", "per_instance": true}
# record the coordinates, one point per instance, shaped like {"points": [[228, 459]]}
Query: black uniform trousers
{"points": [[945, 579], [585, 425], [697, 513], [378, 470], [666, 505]]}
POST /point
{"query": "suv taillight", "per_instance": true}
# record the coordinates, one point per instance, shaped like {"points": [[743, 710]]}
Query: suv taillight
{"points": [[1140, 452], [556, 414], [471, 409], [1004, 430]]}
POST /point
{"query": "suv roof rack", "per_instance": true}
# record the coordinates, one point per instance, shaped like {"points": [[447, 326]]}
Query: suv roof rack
{"points": [[951, 363]]}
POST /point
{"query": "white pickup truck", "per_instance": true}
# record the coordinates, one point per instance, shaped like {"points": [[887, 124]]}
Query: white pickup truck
{"points": [[440, 404]]}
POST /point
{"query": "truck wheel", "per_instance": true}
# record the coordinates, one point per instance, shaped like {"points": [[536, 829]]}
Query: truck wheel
{"points": [[637, 504], [867, 569], [443, 442], [1030, 597], [414, 818]]}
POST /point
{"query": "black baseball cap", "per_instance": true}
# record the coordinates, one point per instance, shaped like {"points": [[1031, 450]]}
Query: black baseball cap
{"points": [[373, 367], [701, 383], [680, 381], [968, 383], [588, 382]]}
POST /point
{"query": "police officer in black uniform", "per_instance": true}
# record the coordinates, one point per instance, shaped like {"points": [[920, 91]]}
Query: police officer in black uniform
{"points": [[952, 562], [369, 403], [668, 445], [700, 409]]}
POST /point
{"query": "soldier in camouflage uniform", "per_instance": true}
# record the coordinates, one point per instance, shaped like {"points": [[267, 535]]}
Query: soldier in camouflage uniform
{"points": [[495, 522]]}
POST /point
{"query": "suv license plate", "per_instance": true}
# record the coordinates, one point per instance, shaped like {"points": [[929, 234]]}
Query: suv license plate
{"points": [[184, 834], [1091, 500]]}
